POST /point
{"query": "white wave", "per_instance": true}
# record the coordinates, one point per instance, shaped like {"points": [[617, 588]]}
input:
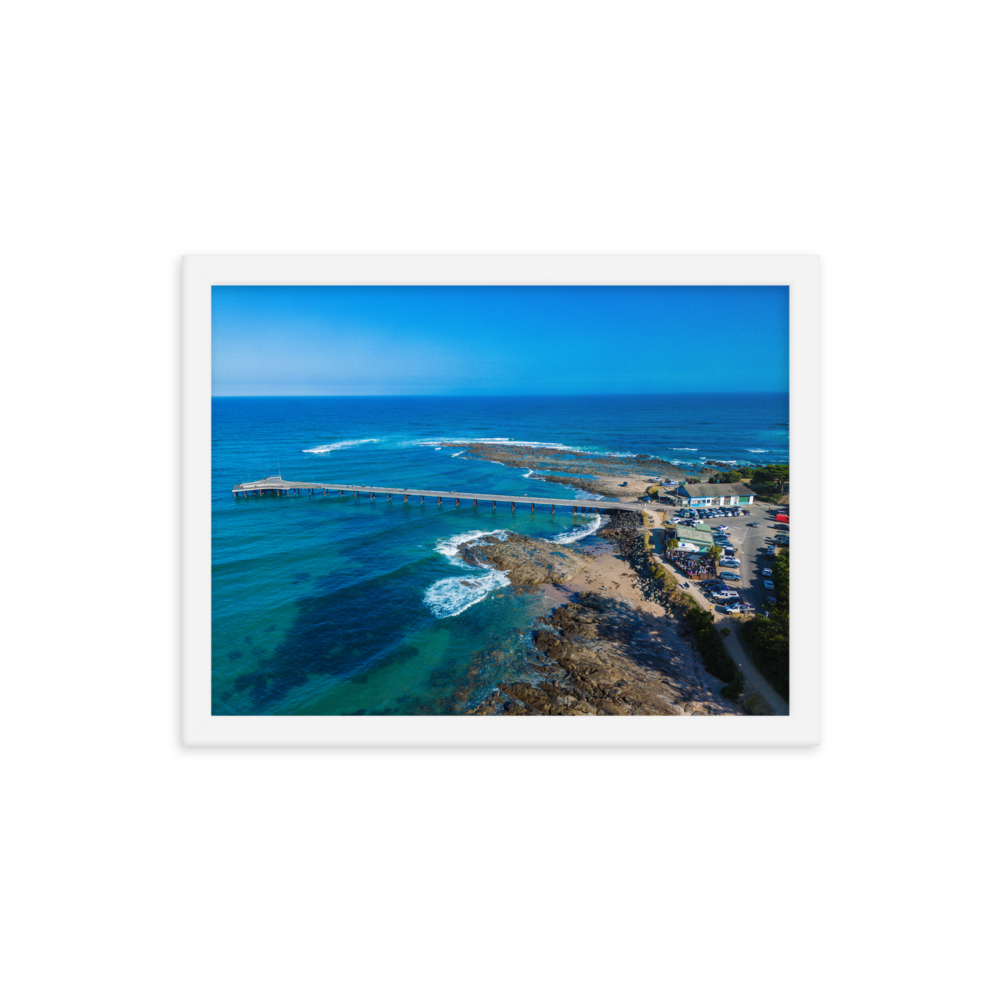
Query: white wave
{"points": [[584, 495], [457, 453], [448, 547], [453, 595], [437, 449], [684, 449], [324, 449], [759, 451], [528, 444], [579, 531], [528, 474]]}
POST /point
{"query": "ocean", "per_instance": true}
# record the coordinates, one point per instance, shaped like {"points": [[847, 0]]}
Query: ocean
{"points": [[337, 606]]}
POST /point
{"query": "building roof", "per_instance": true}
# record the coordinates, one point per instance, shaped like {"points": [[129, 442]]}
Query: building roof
{"points": [[716, 490], [695, 534]]}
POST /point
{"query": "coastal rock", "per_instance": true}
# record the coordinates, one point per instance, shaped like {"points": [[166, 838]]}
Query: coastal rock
{"points": [[564, 460], [600, 658], [528, 562]]}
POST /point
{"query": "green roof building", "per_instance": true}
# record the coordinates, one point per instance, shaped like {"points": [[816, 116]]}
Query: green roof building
{"points": [[695, 539]]}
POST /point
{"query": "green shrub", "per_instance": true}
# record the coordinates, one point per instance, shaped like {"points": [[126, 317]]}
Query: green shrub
{"points": [[766, 639], [708, 642], [734, 690]]}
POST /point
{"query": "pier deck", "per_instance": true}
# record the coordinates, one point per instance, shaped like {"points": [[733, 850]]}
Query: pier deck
{"points": [[277, 485]]}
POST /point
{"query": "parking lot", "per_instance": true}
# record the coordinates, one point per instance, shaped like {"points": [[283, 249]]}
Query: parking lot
{"points": [[751, 545]]}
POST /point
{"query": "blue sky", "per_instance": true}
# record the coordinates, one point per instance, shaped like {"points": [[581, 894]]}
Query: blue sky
{"points": [[431, 340]]}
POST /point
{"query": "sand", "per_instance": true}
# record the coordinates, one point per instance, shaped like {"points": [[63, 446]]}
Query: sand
{"points": [[609, 574]]}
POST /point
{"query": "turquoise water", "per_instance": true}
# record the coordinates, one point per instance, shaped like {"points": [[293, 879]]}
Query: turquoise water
{"points": [[333, 606]]}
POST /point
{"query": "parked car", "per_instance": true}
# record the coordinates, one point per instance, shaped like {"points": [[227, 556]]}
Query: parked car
{"points": [[754, 524], [766, 571], [731, 576], [769, 584], [770, 600], [729, 561]]}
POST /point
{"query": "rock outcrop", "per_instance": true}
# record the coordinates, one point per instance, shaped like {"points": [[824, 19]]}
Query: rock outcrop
{"points": [[602, 658], [563, 460], [528, 562]]}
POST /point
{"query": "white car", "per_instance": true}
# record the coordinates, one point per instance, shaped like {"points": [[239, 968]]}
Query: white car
{"points": [[766, 571], [729, 561]]}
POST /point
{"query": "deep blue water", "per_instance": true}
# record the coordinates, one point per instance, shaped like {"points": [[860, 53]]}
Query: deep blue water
{"points": [[328, 605]]}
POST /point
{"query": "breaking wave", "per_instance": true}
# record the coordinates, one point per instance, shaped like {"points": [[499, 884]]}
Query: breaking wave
{"points": [[759, 451], [455, 594], [580, 531], [448, 547], [324, 449]]}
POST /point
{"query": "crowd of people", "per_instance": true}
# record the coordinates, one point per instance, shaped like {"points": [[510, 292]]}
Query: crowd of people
{"points": [[694, 567]]}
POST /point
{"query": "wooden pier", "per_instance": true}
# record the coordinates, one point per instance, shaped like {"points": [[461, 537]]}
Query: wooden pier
{"points": [[276, 486]]}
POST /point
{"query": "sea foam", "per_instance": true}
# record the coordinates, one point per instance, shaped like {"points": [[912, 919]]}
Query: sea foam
{"points": [[324, 449], [451, 596], [580, 531], [448, 547]]}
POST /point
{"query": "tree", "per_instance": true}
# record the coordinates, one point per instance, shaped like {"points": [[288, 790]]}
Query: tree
{"points": [[714, 552], [780, 568], [672, 544]]}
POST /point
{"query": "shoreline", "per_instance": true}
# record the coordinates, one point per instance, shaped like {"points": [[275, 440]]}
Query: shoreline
{"points": [[607, 649]]}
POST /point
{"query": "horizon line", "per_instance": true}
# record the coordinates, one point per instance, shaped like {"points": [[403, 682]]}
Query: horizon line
{"points": [[485, 395]]}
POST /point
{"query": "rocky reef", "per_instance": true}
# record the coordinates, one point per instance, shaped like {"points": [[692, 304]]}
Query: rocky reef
{"points": [[602, 657], [528, 562], [563, 461]]}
